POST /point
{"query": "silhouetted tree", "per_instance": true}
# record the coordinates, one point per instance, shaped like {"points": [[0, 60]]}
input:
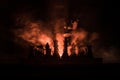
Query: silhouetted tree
{"points": [[65, 53], [48, 50], [56, 54]]}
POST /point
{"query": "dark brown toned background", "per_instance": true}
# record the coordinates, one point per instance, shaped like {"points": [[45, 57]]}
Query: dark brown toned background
{"points": [[99, 16]]}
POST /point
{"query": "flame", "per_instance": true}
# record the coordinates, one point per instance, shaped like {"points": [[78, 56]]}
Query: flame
{"points": [[31, 33], [69, 50], [60, 39], [74, 25], [76, 50], [35, 33], [83, 49], [43, 39], [78, 37]]}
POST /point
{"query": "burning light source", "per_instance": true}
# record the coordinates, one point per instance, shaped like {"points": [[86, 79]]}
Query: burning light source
{"points": [[34, 33], [60, 39]]}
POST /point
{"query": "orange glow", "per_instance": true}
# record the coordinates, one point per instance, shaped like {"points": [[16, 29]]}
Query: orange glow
{"points": [[74, 25], [43, 39], [76, 50], [83, 49], [79, 36], [93, 37], [35, 33], [69, 50], [60, 39]]}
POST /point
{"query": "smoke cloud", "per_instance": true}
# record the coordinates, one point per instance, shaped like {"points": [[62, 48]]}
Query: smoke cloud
{"points": [[39, 33]]}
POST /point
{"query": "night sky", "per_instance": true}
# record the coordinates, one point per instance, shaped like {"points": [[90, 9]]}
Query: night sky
{"points": [[99, 16]]}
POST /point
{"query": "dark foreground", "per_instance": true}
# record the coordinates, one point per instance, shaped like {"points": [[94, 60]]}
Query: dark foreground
{"points": [[60, 70]]}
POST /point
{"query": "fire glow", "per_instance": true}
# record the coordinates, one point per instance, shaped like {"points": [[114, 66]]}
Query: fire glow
{"points": [[35, 33]]}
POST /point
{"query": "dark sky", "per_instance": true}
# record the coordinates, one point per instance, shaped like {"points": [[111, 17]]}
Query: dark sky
{"points": [[101, 16]]}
